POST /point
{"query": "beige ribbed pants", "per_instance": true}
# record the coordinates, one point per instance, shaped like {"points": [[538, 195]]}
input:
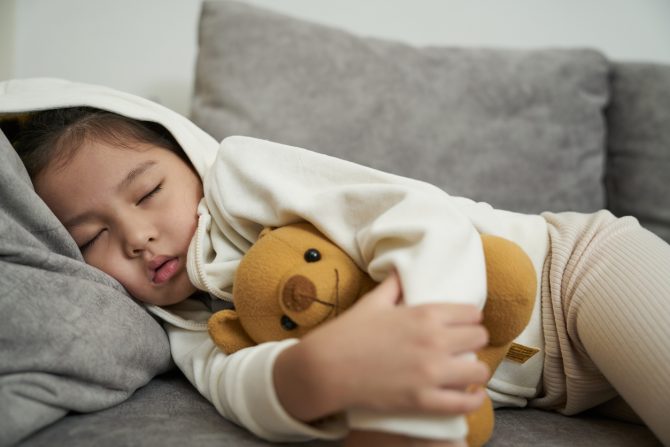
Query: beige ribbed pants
{"points": [[606, 317]]}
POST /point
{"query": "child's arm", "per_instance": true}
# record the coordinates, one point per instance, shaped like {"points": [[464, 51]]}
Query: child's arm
{"points": [[384, 222], [380, 220], [386, 357], [240, 386], [376, 355]]}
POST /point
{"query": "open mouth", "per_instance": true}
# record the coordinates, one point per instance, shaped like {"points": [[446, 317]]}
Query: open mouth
{"points": [[166, 270]]}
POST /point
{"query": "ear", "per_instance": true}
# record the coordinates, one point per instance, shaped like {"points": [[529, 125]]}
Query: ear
{"points": [[227, 332], [265, 231]]}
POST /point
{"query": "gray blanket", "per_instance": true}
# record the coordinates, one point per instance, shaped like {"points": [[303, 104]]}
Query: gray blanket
{"points": [[71, 339]]}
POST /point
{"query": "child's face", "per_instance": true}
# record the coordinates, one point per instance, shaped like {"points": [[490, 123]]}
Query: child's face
{"points": [[132, 211]]}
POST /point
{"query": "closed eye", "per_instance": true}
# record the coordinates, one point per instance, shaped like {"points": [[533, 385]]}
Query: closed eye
{"points": [[89, 244], [150, 194]]}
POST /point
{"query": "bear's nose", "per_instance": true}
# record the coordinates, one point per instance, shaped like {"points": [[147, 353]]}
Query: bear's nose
{"points": [[298, 294]]}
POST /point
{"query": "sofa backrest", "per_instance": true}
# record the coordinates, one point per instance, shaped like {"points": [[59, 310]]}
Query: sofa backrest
{"points": [[638, 148], [524, 130]]}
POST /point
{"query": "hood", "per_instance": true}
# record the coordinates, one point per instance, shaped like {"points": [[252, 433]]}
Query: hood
{"points": [[29, 95]]}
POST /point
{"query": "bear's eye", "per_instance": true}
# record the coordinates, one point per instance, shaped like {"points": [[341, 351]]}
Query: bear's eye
{"points": [[287, 323], [312, 255]]}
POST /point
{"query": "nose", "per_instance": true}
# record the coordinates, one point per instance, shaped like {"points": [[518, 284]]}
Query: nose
{"points": [[136, 236], [299, 293]]}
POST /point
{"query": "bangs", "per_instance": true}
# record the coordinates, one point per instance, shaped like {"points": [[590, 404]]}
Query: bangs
{"points": [[52, 137]]}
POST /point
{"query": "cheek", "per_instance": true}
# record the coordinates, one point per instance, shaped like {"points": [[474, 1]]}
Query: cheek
{"points": [[184, 219], [118, 268], [191, 224]]}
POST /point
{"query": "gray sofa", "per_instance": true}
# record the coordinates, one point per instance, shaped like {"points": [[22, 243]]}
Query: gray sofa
{"points": [[529, 131]]}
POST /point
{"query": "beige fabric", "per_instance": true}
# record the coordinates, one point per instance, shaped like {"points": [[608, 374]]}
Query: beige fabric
{"points": [[606, 314]]}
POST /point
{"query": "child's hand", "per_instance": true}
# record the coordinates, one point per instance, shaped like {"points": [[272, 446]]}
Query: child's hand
{"points": [[387, 357]]}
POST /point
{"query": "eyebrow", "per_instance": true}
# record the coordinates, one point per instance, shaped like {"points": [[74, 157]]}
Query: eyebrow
{"points": [[132, 175]]}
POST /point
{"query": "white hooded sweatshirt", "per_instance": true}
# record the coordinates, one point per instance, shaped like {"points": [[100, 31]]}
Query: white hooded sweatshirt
{"points": [[381, 220]]}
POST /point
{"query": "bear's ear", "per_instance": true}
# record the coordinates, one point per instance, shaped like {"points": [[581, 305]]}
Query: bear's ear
{"points": [[227, 332], [265, 232]]}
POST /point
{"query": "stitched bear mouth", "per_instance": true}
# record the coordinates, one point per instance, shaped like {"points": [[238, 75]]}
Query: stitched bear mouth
{"points": [[299, 293], [304, 303], [289, 325]]}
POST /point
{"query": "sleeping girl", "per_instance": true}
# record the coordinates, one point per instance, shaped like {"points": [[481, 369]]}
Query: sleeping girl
{"points": [[157, 204]]}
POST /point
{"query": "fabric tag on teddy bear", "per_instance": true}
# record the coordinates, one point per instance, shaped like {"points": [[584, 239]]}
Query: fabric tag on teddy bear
{"points": [[520, 353]]}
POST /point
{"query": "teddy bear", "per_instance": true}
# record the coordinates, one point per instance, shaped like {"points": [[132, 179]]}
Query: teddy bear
{"points": [[293, 278]]}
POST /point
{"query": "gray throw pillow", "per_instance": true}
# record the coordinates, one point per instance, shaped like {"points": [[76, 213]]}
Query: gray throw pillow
{"points": [[522, 130], [638, 162], [70, 338]]}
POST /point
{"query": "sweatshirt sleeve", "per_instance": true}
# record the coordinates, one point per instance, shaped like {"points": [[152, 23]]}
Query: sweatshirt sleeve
{"points": [[381, 220], [240, 385]]}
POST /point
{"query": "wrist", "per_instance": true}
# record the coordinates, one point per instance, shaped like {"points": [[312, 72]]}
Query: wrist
{"points": [[301, 383]]}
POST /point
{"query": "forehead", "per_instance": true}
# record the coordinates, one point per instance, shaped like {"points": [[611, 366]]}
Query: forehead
{"points": [[101, 161], [92, 174]]}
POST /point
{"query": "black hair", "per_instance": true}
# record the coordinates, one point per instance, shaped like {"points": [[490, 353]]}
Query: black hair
{"points": [[54, 136]]}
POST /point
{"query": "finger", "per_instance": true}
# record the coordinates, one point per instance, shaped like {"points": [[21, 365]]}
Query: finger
{"points": [[450, 402], [462, 373], [461, 339], [387, 293], [453, 313]]}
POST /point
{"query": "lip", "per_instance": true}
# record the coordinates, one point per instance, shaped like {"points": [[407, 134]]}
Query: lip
{"points": [[164, 268]]}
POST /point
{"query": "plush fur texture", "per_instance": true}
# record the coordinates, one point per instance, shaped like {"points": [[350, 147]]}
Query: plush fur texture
{"points": [[511, 285], [293, 278]]}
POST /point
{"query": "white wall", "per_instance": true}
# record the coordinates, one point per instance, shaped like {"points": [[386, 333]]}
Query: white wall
{"points": [[148, 47], [7, 43]]}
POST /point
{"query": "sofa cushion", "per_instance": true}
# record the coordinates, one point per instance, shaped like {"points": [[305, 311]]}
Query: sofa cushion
{"points": [[143, 420], [638, 162], [523, 130], [70, 338]]}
